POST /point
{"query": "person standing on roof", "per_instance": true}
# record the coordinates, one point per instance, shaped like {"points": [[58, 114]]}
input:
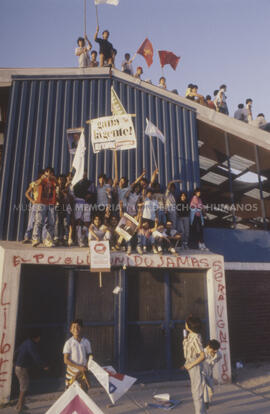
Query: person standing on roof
{"points": [[82, 51]]}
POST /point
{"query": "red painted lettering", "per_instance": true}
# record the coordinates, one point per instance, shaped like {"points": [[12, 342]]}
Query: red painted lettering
{"points": [[170, 262], [88, 259], [195, 262], [5, 317], [182, 261], [221, 288], [148, 262], [161, 264], [3, 303], [217, 266], [67, 261], [221, 297], [221, 324], [78, 261], [222, 337], [138, 260], [204, 262], [119, 260], [52, 260], [220, 310], [38, 257], [218, 276], [4, 348], [16, 261], [2, 362]]}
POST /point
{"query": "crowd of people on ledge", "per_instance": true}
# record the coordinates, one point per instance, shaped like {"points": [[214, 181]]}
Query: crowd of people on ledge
{"points": [[62, 214], [107, 54]]}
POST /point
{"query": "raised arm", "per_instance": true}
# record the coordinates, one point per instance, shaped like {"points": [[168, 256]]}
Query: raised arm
{"points": [[154, 176], [139, 178], [96, 34], [89, 43]]}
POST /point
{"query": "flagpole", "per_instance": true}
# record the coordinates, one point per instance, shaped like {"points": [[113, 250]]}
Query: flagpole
{"points": [[133, 57], [115, 166], [84, 17], [97, 14], [155, 161]]}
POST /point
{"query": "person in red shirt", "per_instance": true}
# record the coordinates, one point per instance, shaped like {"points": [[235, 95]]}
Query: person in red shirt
{"points": [[46, 200]]}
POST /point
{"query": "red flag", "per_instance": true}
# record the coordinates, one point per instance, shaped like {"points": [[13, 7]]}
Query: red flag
{"points": [[146, 50], [168, 58]]}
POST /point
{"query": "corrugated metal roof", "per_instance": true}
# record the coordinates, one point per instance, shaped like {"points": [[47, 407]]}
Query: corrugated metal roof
{"points": [[42, 109]]}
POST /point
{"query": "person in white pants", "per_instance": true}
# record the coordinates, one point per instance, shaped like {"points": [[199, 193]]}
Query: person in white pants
{"points": [[194, 355]]}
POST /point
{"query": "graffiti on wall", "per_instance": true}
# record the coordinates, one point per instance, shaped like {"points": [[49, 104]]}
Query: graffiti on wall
{"points": [[5, 346]]}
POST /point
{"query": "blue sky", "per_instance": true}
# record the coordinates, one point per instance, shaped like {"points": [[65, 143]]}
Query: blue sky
{"points": [[219, 41]]}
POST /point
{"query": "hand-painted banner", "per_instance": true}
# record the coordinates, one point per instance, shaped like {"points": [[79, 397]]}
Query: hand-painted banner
{"points": [[113, 132]]}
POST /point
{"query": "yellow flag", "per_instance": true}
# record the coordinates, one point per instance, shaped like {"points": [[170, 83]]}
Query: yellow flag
{"points": [[116, 105]]}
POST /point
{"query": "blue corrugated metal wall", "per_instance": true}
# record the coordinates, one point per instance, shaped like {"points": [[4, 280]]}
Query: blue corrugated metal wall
{"points": [[42, 108]]}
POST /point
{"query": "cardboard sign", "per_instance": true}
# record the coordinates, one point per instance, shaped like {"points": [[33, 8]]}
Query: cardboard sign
{"points": [[113, 132], [73, 137], [127, 227], [100, 258]]}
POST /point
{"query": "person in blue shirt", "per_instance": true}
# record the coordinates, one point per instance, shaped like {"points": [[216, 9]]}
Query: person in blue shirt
{"points": [[25, 356]]}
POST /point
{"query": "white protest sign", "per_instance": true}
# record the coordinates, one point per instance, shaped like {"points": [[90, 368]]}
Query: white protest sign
{"points": [[100, 258], [113, 132]]}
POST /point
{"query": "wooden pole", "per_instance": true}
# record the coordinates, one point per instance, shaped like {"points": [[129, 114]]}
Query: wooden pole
{"points": [[97, 15], [100, 279], [155, 161], [115, 165], [84, 18]]}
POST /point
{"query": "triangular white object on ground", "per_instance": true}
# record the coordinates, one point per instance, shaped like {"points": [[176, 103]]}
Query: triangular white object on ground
{"points": [[74, 400], [115, 384]]}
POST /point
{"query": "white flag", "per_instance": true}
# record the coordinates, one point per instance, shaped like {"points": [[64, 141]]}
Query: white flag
{"points": [[153, 131], [112, 2], [78, 162]]}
